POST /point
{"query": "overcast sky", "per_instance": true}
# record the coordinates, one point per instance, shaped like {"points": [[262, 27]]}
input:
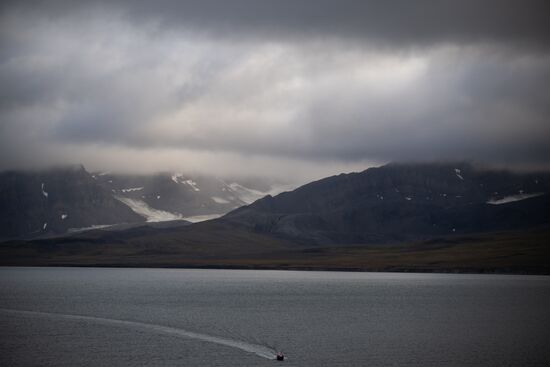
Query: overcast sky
{"points": [[289, 88]]}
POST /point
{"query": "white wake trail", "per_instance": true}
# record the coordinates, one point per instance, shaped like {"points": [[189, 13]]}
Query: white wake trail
{"points": [[257, 349]]}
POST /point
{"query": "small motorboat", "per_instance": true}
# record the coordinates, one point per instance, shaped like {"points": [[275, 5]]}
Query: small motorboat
{"points": [[280, 356]]}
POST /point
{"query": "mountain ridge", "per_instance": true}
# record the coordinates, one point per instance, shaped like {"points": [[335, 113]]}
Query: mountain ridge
{"points": [[399, 202], [69, 198], [380, 219], [52, 201]]}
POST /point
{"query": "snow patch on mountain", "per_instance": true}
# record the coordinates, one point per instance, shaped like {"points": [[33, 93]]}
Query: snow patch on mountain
{"points": [[94, 226], [193, 184], [201, 218], [177, 178], [219, 200], [64, 216], [246, 194], [43, 191], [458, 174], [279, 188], [150, 214], [512, 198], [132, 189]]}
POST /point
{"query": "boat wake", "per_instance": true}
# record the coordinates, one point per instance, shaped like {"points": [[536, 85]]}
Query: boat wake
{"points": [[259, 350]]}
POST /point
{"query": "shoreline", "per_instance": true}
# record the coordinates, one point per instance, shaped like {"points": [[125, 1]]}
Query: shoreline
{"points": [[397, 270]]}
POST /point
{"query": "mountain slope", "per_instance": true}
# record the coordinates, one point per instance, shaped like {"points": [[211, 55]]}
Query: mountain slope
{"points": [[169, 196], [61, 200], [392, 218], [54, 201], [400, 202]]}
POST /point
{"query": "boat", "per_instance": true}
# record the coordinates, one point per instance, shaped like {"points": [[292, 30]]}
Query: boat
{"points": [[280, 356]]}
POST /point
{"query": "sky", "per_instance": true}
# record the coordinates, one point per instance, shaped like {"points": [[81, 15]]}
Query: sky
{"points": [[291, 89]]}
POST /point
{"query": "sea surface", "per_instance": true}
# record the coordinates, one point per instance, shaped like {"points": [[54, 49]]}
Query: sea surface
{"points": [[176, 317]]}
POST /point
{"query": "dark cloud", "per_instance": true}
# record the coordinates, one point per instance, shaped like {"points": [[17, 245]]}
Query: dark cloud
{"points": [[398, 22], [255, 86]]}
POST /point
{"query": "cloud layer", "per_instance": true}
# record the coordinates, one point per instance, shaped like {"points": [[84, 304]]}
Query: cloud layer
{"points": [[278, 88]]}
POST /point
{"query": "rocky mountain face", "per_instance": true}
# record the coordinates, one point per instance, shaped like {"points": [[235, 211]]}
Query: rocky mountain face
{"points": [[55, 201], [396, 202], [400, 202], [168, 196], [399, 217]]}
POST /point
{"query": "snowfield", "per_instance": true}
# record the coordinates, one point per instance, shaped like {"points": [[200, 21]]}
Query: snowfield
{"points": [[44, 192], [512, 198], [201, 218], [150, 214], [458, 174], [219, 200], [94, 226], [132, 189], [249, 196]]}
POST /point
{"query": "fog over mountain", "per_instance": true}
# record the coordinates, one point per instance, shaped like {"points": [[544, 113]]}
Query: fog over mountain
{"points": [[300, 89]]}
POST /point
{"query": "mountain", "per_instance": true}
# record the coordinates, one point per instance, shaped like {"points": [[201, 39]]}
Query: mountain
{"points": [[68, 199], [54, 201], [169, 196], [399, 217], [399, 202]]}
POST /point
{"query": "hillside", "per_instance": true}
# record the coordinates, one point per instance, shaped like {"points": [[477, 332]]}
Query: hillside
{"points": [[400, 202], [169, 196], [56, 200], [67, 199], [430, 217]]}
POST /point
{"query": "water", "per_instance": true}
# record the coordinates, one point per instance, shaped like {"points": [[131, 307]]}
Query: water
{"points": [[167, 317]]}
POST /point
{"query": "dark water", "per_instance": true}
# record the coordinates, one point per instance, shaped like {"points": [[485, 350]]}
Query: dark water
{"points": [[160, 317]]}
